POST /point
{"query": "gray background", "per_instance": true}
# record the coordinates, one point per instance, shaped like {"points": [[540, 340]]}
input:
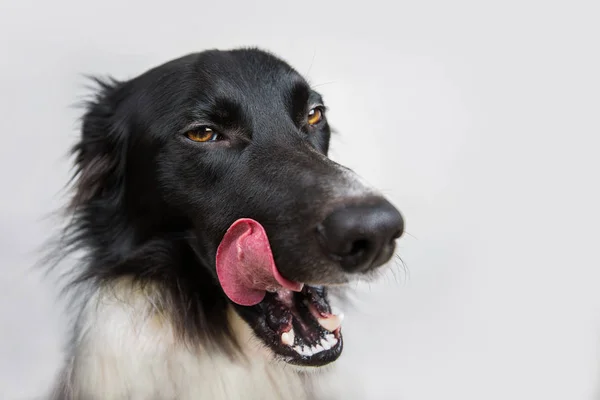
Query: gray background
{"points": [[478, 119]]}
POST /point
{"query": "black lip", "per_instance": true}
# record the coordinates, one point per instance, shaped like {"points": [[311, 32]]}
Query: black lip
{"points": [[256, 316]]}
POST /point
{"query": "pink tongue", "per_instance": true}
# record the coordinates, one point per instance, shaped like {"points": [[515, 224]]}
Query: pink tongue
{"points": [[245, 264]]}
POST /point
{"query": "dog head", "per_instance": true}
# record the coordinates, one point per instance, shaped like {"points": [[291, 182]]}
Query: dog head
{"points": [[209, 175]]}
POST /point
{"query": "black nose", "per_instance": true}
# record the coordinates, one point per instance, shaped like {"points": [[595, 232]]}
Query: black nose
{"points": [[361, 236]]}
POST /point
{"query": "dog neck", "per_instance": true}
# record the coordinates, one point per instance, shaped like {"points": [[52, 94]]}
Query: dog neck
{"points": [[125, 349]]}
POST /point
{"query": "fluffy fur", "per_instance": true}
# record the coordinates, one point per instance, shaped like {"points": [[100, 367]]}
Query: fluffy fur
{"points": [[125, 348], [150, 207]]}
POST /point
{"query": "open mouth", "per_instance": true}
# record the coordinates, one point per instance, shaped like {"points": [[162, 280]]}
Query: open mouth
{"points": [[300, 327], [293, 319]]}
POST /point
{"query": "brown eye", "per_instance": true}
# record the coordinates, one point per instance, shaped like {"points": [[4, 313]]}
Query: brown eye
{"points": [[203, 134], [314, 116]]}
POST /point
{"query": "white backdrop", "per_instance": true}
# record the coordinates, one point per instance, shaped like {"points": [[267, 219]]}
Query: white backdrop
{"points": [[481, 122]]}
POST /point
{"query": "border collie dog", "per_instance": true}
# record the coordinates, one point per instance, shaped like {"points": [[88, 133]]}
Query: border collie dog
{"points": [[215, 229]]}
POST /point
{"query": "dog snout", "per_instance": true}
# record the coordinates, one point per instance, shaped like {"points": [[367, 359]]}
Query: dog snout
{"points": [[361, 236]]}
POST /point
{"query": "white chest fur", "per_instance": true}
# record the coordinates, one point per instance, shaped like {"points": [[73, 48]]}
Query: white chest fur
{"points": [[125, 350]]}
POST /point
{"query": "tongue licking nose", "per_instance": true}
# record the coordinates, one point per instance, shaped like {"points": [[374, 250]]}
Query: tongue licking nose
{"points": [[245, 265]]}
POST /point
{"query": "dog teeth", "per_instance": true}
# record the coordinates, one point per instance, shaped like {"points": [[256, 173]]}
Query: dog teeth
{"points": [[326, 343], [288, 337], [303, 350], [332, 322], [331, 340], [306, 351]]}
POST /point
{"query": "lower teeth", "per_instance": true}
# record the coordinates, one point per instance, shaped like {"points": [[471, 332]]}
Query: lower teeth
{"points": [[326, 343], [288, 337]]}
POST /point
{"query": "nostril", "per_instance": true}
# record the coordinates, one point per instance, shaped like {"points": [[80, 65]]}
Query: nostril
{"points": [[358, 247]]}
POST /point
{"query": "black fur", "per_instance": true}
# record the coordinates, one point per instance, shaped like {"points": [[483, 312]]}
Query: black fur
{"points": [[151, 205]]}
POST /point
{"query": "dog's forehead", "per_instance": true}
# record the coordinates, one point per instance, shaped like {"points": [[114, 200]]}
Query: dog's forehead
{"points": [[241, 88], [248, 73], [247, 65]]}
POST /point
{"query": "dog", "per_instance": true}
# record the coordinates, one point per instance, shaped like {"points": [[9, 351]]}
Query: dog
{"points": [[214, 229]]}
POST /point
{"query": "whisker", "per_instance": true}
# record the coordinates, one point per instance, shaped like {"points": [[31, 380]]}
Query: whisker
{"points": [[312, 62], [401, 264], [393, 271], [323, 84], [411, 235]]}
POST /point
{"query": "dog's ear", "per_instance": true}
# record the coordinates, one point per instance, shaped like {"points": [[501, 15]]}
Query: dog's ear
{"points": [[100, 152]]}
